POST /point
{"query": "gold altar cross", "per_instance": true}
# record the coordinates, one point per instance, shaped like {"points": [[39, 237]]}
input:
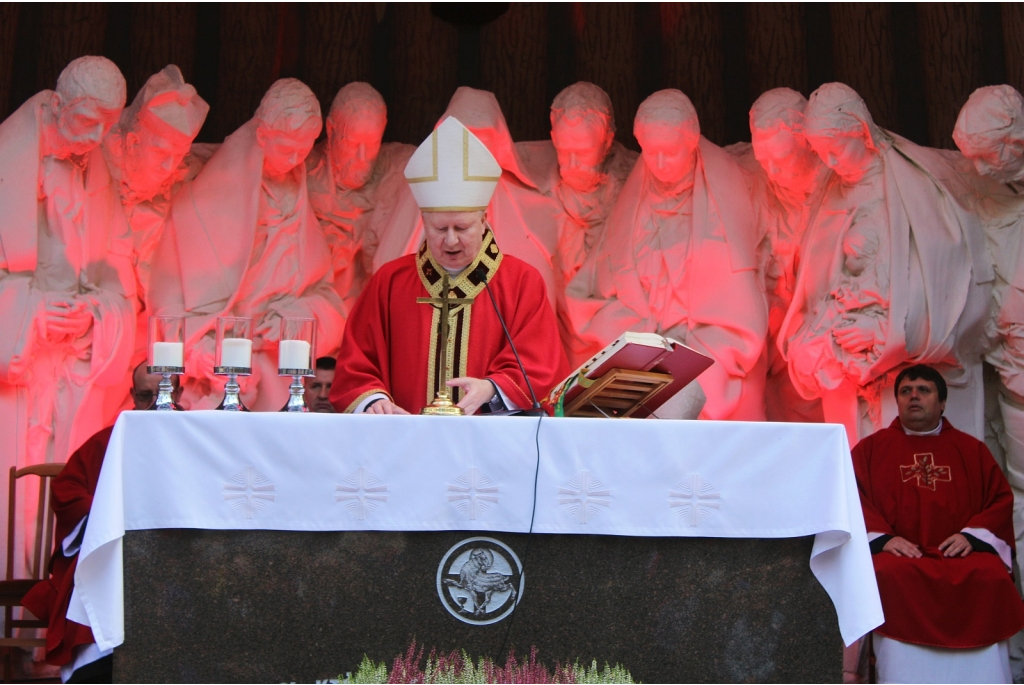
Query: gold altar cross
{"points": [[442, 403]]}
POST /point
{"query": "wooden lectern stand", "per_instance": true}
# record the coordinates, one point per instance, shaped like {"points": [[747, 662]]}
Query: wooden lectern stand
{"points": [[617, 394]]}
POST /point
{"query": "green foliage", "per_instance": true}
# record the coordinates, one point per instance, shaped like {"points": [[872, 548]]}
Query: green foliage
{"points": [[459, 667]]}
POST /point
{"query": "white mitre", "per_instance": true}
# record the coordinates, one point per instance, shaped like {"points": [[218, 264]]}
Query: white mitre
{"points": [[452, 171]]}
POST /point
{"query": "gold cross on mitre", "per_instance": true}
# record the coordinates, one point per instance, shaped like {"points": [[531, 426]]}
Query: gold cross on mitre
{"points": [[451, 171], [442, 404]]}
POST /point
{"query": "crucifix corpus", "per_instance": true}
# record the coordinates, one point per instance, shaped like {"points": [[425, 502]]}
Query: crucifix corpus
{"points": [[442, 404]]}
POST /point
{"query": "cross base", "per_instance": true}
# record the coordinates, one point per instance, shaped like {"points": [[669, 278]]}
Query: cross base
{"points": [[442, 406]]}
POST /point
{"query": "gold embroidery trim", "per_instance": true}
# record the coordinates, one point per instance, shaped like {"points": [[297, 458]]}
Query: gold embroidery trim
{"points": [[433, 154], [465, 162], [460, 287]]}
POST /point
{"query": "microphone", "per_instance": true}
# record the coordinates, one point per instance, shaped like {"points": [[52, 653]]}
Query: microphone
{"points": [[481, 273]]}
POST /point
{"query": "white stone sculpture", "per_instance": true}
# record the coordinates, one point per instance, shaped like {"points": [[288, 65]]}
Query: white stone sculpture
{"points": [[592, 168], [786, 179], [521, 215], [67, 289], [893, 272], [678, 257], [354, 183], [147, 153], [242, 240], [990, 133]]}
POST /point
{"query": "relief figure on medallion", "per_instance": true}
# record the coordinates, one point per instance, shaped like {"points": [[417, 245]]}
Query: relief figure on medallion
{"points": [[677, 257], [354, 181], [893, 271], [67, 287], [243, 240]]}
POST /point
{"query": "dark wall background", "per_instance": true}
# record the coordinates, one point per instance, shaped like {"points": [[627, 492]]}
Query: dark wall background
{"points": [[915, 64]]}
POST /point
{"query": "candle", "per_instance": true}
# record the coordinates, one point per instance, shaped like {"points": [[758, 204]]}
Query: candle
{"points": [[293, 354], [168, 354], [236, 352]]}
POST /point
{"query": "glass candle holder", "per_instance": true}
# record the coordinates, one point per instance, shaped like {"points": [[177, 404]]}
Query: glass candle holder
{"points": [[166, 357], [295, 358], [234, 357]]}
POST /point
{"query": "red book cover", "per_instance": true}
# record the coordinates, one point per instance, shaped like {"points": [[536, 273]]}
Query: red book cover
{"points": [[643, 352]]}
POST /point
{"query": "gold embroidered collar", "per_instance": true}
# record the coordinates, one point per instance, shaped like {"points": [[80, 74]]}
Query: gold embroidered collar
{"points": [[469, 282]]}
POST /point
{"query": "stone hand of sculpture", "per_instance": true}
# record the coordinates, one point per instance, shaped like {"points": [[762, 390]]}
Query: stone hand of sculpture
{"points": [[268, 330], [857, 333], [66, 317]]}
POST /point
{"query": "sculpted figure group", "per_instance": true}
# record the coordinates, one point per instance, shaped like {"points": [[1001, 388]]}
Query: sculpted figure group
{"points": [[812, 264]]}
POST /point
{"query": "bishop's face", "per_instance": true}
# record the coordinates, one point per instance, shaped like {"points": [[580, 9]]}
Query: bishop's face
{"points": [[668, 151], [582, 146], [919, 406], [82, 123], [786, 158], [150, 159], [353, 140], [283, 150], [454, 238]]}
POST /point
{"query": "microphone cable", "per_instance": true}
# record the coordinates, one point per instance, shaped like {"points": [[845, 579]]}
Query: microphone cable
{"points": [[481, 271]]}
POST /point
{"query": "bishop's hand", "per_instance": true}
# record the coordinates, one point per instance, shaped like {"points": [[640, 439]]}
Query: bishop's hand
{"points": [[955, 545], [903, 547], [476, 392], [384, 406]]}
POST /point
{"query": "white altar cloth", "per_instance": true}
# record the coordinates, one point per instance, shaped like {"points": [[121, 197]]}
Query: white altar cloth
{"points": [[324, 472]]}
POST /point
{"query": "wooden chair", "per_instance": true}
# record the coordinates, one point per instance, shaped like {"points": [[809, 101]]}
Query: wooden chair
{"points": [[13, 590]]}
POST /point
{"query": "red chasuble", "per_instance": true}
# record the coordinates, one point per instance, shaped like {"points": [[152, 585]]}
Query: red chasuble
{"points": [[924, 489], [392, 343], [72, 494]]}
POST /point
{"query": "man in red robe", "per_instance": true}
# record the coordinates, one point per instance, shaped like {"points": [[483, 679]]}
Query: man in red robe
{"points": [[391, 357], [71, 645], [939, 516]]}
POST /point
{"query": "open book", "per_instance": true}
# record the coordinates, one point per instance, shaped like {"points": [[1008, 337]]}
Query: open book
{"points": [[645, 352]]}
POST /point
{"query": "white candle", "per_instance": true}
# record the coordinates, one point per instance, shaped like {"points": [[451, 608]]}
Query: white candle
{"points": [[293, 354], [236, 352], [168, 354]]}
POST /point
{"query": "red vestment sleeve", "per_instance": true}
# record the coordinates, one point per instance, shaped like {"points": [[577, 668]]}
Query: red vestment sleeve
{"points": [[874, 521], [72, 492], [996, 508], [363, 361], [533, 328]]}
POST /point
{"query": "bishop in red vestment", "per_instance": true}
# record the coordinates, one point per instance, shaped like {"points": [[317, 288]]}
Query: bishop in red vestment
{"points": [[391, 358], [940, 512]]}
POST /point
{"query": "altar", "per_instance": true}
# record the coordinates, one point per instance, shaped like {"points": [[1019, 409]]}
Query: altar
{"points": [[243, 547]]}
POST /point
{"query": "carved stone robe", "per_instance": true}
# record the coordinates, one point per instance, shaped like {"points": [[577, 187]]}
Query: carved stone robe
{"points": [[239, 244], [682, 263], [62, 234], [352, 219]]}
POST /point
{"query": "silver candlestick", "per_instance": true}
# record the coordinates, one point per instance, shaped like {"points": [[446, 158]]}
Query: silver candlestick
{"points": [[165, 390], [232, 401], [296, 391]]}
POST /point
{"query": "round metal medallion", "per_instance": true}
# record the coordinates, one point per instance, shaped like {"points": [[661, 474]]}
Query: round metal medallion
{"points": [[480, 581]]}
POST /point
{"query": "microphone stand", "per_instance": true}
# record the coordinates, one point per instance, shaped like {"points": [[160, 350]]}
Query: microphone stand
{"points": [[536, 409]]}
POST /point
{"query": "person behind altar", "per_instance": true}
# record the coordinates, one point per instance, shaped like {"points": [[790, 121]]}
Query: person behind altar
{"points": [[317, 388], [71, 645], [939, 516], [390, 361]]}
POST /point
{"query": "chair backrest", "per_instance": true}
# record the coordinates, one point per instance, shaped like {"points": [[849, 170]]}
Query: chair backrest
{"points": [[42, 548]]}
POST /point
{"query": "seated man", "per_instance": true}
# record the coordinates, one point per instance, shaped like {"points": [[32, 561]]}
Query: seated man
{"points": [[71, 645], [318, 387], [938, 511], [391, 357]]}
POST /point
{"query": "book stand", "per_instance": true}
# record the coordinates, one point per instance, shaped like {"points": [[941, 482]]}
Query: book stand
{"points": [[617, 394]]}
